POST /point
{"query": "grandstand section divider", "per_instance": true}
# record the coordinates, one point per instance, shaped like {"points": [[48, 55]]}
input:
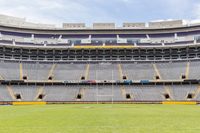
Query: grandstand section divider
{"points": [[179, 103], [102, 47], [28, 103], [104, 102]]}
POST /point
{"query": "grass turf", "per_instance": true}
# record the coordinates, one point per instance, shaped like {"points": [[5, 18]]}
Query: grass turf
{"points": [[100, 119]]}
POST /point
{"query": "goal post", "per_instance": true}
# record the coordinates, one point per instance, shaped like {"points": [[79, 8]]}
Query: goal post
{"points": [[100, 96]]}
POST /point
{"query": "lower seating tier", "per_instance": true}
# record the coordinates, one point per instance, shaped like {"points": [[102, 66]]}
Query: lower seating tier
{"points": [[100, 93]]}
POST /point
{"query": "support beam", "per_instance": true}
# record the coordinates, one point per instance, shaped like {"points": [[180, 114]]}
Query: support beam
{"points": [[21, 71]]}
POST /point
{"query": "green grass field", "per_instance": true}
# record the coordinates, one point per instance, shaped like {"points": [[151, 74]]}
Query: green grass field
{"points": [[102, 118]]}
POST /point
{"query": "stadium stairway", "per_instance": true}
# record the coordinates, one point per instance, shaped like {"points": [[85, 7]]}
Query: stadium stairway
{"points": [[120, 71], [9, 89], [51, 72], [1, 77], [197, 92], [81, 91], [87, 71], [11, 92], [21, 71], [157, 72], [187, 71], [40, 90], [168, 90], [123, 90]]}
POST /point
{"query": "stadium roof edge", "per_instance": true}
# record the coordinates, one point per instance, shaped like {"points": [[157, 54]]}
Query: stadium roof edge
{"points": [[100, 31], [15, 22]]}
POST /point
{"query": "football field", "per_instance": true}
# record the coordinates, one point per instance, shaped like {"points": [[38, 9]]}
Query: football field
{"points": [[101, 118]]}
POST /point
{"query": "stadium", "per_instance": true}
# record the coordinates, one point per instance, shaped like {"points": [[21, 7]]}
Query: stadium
{"points": [[102, 63], [80, 67]]}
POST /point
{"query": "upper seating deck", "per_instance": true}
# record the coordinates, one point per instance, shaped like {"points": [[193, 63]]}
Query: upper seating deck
{"points": [[140, 40], [135, 34]]}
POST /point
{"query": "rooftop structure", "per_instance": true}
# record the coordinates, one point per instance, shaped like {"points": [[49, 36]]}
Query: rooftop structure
{"points": [[21, 22]]}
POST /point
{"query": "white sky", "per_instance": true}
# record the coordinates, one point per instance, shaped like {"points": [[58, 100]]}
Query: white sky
{"points": [[89, 11]]}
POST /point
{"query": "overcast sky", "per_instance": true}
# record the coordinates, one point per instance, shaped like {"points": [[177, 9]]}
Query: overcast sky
{"points": [[89, 11]]}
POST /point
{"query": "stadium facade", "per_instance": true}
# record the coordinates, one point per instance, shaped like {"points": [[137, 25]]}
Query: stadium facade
{"points": [[134, 63]]}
